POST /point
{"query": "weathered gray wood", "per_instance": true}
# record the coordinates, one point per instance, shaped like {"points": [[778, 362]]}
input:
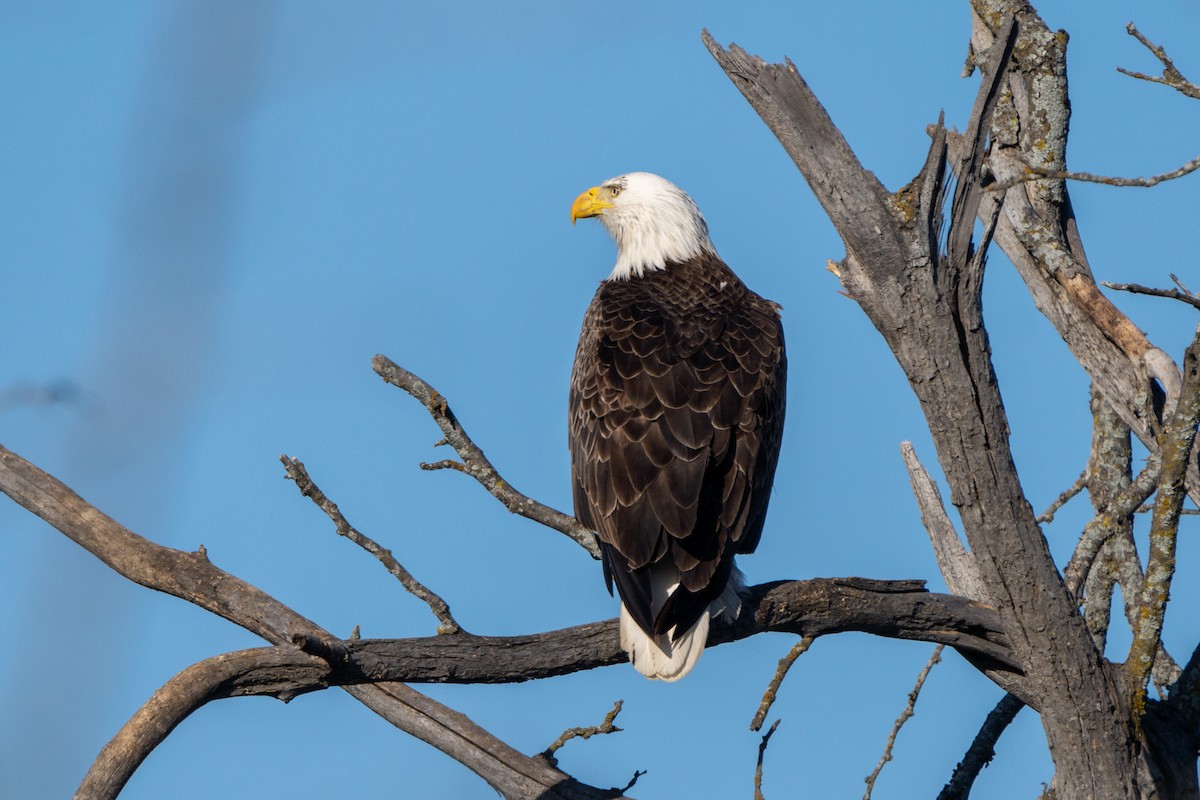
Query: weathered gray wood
{"points": [[1037, 229], [192, 577], [901, 609], [954, 562], [927, 307]]}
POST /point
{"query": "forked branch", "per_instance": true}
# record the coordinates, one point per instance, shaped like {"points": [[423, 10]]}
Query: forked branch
{"points": [[474, 462], [192, 577], [1171, 76], [297, 473]]}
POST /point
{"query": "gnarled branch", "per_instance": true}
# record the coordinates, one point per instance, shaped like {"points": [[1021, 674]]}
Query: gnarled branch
{"points": [[192, 577], [475, 463]]}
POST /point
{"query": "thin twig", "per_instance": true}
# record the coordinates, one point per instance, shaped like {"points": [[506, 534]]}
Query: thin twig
{"points": [[1148, 507], [785, 664], [982, 749], [1173, 294], [586, 733], [1047, 516], [447, 463], [259, 672], [1033, 173], [474, 462], [296, 472], [762, 751], [637, 773], [1171, 76], [904, 717]]}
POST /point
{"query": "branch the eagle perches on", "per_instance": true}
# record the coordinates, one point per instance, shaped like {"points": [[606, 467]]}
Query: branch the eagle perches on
{"points": [[306, 658]]}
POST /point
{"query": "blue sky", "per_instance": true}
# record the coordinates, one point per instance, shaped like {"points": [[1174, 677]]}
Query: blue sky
{"points": [[216, 213]]}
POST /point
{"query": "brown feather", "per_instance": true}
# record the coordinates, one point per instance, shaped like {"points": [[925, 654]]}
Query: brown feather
{"points": [[676, 416]]}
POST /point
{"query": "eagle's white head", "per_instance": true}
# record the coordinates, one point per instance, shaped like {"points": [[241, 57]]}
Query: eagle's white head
{"points": [[652, 220]]}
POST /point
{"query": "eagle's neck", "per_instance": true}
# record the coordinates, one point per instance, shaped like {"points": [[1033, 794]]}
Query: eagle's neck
{"points": [[650, 242]]}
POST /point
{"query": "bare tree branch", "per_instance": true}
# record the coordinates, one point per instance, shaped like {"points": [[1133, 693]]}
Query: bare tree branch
{"points": [[927, 307], [982, 749], [817, 607], [604, 727], [1039, 234], [296, 472], [1107, 524], [1041, 173], [475, 463], [781, 671], [271, 671], [1047, 516], [1170, 75], [955, 563], [192, 577], [1108, 474], [1174, 294], [1185, 694], [905, 716], [762, 751], [1117, 563], [811, 608], [1177, 448]]}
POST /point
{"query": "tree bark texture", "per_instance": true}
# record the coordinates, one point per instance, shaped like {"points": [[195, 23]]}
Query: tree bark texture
{"points": [[308, 658], [192, 577], [926, 304]]}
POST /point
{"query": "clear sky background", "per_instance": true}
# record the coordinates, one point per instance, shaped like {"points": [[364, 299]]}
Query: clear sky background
{"points": [[215, 213]]}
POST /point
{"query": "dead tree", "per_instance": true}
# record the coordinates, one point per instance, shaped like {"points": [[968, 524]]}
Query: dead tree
{"points": [[1036, 629]]}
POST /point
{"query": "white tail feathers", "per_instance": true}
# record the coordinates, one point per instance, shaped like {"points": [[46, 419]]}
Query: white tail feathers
{"points": [[657, 657], [660, 658]]}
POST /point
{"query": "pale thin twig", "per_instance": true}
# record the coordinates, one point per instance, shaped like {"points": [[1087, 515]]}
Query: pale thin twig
{"points": [[474, 462], [586, 733], [781, 672], [1078, 486], [1033, 173], [296, 472], [758, 769], [1173, 294], [1145, 507], [904, 717], [1171, 76]]}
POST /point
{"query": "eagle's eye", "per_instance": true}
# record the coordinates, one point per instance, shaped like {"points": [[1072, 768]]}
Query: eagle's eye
{"points": [[614, 190]]}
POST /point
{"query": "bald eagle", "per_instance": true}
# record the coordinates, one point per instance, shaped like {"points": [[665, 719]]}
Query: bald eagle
{"points": [[676, 414]]}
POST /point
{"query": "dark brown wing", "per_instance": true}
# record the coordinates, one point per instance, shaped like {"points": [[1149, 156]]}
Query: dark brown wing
{"points": [[676, 414]]}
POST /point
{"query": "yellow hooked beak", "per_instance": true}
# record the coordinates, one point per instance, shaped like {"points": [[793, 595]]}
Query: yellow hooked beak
{"points": [[589, 204]]}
